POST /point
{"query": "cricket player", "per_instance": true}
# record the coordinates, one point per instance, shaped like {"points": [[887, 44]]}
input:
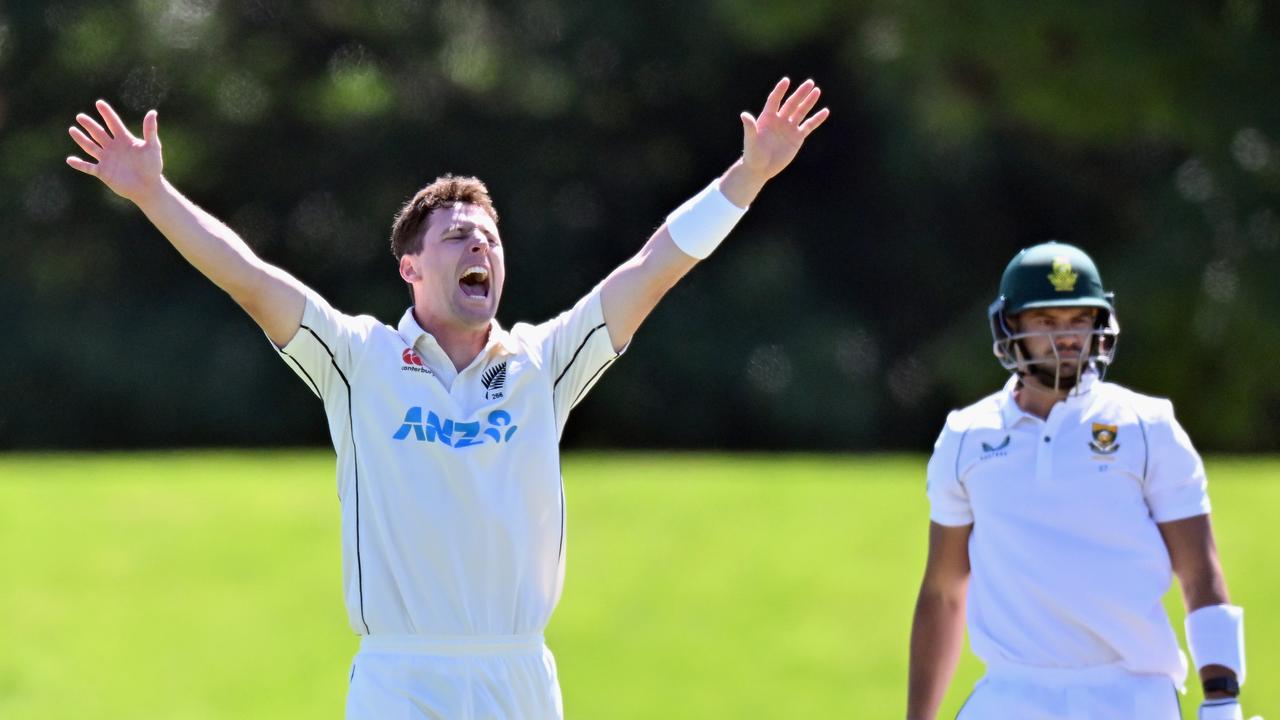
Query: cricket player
{"points": [[1060, 508], [446, 425]]}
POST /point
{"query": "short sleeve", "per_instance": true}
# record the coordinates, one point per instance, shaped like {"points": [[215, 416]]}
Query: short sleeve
{"points": [[1176, 486], [324, 350], [577, 348], [948, 498]]}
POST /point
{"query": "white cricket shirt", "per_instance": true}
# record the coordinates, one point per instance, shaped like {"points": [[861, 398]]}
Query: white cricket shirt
{"points": [[453, 519], [1068, 566]]}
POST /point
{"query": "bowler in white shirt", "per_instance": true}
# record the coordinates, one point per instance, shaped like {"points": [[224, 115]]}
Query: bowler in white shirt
{"points": [[447, 426]]}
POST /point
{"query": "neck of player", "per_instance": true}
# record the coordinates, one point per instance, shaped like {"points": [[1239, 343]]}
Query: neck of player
{"points": [[462, 343], [1036, 399]]}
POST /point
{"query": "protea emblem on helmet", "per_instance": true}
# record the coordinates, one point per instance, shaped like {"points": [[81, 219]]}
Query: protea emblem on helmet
{"points": [[1062, 276]]}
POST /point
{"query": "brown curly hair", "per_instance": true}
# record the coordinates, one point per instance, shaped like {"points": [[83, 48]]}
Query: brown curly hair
{"points": [[406, 231]]}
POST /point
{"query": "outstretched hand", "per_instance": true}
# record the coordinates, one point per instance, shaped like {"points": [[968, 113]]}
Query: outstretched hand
{"points": [[129, 165], [771, 140]]}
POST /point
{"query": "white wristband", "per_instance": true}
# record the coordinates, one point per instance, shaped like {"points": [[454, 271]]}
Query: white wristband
{"points": [[1221, 710], [703, 221], [1215, 635]]}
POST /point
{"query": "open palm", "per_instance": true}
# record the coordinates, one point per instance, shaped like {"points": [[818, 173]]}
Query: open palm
{"points": [[770, 142], [129, 165]]}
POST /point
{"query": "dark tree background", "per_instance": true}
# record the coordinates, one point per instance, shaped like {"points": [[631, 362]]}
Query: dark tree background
{"points": [[848, 310]]}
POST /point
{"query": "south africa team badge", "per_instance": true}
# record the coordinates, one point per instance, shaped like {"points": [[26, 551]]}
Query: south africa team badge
{"points": [[1104, 439]]}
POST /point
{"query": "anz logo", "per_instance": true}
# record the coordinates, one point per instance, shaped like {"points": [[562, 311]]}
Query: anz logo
{"points": [[990, 451], [454, 433]]}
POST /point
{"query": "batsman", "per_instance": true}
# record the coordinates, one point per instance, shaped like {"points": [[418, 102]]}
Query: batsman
{"points": [[1061, 508]]}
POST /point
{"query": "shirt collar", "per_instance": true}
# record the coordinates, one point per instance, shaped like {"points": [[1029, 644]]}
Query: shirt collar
{"points": [[411, 331], [1009, 410], [1011, 413]]}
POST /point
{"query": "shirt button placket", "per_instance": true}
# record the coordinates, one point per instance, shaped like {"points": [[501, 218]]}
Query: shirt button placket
{"points": [[1044, 451]]}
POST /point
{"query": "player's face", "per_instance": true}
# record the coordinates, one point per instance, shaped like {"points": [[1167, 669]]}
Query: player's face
{"points": [[457, 276], [1056, 343]]}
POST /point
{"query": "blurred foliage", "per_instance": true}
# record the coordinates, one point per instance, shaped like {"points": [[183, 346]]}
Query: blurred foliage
{"points": [[848, 310]]}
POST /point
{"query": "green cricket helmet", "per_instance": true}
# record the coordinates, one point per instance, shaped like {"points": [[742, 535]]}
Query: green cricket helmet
{"points": [[1048, 275]]}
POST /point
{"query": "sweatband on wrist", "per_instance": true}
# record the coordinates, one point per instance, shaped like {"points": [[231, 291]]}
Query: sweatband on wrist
{"points": [[1215, 635], [1224, 709], [703, 221]]}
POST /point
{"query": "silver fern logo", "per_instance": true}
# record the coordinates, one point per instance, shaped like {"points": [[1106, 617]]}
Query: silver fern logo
{"points": [[493, 380]]}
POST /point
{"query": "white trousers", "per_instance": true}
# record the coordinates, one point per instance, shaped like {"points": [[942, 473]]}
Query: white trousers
{"points": [[1107, 692], [415, 677]]}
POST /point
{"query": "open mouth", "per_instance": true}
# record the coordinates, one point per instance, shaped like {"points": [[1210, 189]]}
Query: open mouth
{"points": [[475, 282]]}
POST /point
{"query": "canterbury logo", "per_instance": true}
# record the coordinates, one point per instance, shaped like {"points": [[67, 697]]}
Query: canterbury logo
{"points": [[990, 451], [493, 379], [413, 361], [992, 448]]}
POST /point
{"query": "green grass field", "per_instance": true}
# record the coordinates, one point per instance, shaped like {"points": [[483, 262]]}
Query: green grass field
{"points": [[206, 585]]}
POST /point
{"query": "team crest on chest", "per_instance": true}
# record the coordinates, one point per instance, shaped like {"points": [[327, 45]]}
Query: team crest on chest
{"points": [[1104, 439], [493, 379]]}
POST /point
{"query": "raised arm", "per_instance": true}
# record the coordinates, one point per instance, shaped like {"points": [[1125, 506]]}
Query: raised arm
{"points": [[769, 144], [937, 632], [132, 168]]}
